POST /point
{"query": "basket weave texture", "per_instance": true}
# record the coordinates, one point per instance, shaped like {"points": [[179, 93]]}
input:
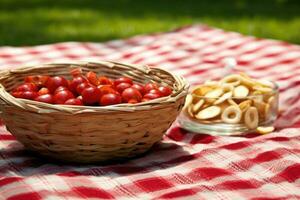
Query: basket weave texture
{"points": [[87, 134]]}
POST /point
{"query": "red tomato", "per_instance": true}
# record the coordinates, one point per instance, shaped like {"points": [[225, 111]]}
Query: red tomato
{"points": [[16, 94], [80, 98], [107, 89], [76, 72], [28, 95], [45, 98], [110, 99], [43, 91], [152, 96], [122, 86], [145, 99], [26, 87], [75, 82], [155, 91], [93, 79], [139, 87], [39, 80], [60, 88], [122, 80], [133, 101], [131, 93], [82, 86], [104, 80], [62, 96], [150, 86], [165, 91], [75, 102], [55, 82], [91, 95]]}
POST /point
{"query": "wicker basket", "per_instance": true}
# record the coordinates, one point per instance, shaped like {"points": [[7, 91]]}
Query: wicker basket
{"points": [[89, 134]]}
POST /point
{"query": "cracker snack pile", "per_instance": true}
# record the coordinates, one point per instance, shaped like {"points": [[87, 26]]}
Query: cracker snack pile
{"points": [[235, 99]]}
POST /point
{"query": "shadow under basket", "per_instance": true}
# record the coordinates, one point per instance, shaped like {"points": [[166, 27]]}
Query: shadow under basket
{"points": [[87, 134]]}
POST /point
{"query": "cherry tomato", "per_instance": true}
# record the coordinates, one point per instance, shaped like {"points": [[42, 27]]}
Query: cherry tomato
{"points": [[110, 99], [145, 99], [139, 87], [28, 95], [76, 72], [75, 102], [62, 96], [104, 80], [91, 95], [43, 91], [133, 101], [122, 80], [131, 93], [56, 81], [165, 91], [155, 91], [16, 94], [26, 87], [75, 82], [82, 86], [152, 96], [107, 89], [122, 86], [45, 98], [150, 86], [80, 98], [39, 80], [60, 88], [93, 79]]}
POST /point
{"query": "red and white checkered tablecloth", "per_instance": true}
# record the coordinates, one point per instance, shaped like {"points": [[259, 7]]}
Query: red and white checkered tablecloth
{"points": [[183, 165]]}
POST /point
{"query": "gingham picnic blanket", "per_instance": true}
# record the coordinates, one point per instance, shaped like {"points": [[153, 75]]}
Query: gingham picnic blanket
{"points": [[184, 165]]}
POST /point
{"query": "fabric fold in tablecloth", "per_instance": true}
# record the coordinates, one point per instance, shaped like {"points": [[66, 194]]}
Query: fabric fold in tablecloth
{"points": [[184, 165]]}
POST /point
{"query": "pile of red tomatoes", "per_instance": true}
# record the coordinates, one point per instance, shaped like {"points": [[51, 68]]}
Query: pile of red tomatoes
{"points": [[89, 89]]}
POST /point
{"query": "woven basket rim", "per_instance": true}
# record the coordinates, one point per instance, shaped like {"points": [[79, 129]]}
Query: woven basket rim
{"points": [[39, 107]]}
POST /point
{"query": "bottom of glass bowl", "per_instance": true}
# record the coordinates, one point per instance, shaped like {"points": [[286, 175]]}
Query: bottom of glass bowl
{"points": [[218, 128]]}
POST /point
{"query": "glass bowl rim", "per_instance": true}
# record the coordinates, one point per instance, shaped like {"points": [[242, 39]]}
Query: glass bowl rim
{"points": [[275, 90]]}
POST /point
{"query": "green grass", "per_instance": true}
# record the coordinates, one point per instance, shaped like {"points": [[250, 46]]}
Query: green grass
{"points": [[31, 22]]}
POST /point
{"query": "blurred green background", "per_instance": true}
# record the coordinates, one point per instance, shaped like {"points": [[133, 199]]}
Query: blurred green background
{"points": [[31, 22]]}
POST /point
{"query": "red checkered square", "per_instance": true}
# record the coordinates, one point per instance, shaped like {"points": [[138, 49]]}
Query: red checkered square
{"points": [[207, 173], [179, 193], [153, 184], [26, 196], [87, 192]]}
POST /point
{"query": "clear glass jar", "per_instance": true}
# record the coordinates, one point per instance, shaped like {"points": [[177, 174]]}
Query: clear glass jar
{"points": [[236, 120]]}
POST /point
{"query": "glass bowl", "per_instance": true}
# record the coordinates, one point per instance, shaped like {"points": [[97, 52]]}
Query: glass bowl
{"points": [[236, 116]]}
